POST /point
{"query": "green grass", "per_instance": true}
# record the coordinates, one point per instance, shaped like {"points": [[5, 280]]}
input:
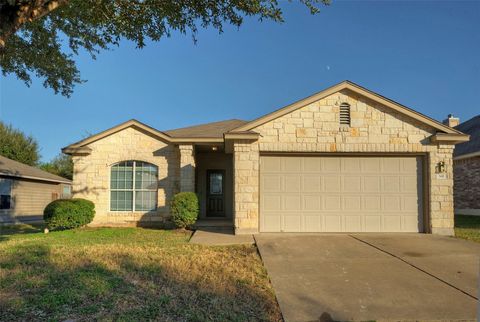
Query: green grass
{"points": [[467, 227], [128, 274]]}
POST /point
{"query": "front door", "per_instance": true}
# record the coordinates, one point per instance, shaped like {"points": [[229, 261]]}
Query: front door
{"points": [[215, 193]]}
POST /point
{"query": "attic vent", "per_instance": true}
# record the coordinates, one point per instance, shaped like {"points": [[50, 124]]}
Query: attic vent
{"points": [[344, 114]]}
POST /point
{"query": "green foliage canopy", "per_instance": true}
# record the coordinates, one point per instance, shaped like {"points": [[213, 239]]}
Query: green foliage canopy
{"points": [[16, 145], [61, 165], [41, 37]]}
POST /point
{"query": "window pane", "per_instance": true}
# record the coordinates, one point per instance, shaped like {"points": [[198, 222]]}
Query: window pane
{"points": [[113, 200], [145, 200], [121, 200], [5, 201], [5, 186], [145, 176]]}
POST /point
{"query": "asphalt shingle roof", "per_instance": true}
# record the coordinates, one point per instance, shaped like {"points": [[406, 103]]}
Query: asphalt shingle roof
{"points": [[471, 127], [9, 167], [208, 130]]}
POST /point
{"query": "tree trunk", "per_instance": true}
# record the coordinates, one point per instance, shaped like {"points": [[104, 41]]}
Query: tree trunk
{"points": [[13, 17]]}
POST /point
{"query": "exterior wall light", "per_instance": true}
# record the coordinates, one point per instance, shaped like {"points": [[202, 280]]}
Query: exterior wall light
{"points": [[441, 167], [214, 148]]}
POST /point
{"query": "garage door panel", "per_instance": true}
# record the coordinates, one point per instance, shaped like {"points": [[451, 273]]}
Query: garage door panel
{"points": [[292, 202], [271, 165], [341, 194], [331, 165], [353, 223], [350, 165], [272, 202], [313, 223], [332, 183], [271, 183], [374, 223], [333, 223], [292, 222], [333, 203], [391, 184], [352, 184], [312, 202], [292, 165], [271, 223], [372, 184], [293, 183], [352, 203], [311, 183], [312, 165], [370, 165]]}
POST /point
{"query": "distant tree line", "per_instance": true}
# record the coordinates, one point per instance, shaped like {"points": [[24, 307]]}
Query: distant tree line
{"points": [[18, 146]]}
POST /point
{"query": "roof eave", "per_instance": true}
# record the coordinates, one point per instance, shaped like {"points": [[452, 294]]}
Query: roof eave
{"points": [[66, 181], [467, 156], [449, 138]]}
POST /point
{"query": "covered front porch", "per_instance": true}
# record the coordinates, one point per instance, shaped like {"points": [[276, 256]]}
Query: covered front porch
{"points": [[207, 170]]}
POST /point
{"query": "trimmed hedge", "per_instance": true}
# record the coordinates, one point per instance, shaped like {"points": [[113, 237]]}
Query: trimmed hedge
{"points": [[184, 208], [68, 213]]}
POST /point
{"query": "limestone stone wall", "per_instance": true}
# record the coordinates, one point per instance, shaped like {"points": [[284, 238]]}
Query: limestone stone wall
{"points": [[374, 128], [246, 162], [91, 178], [467, 183], [187, 167]]}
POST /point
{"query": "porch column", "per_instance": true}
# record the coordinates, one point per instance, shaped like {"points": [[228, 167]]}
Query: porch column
{"points": [[246, 162], [187, 167]]}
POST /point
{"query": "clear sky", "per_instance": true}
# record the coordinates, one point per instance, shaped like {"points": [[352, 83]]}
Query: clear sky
{"points": [[425, 55]]}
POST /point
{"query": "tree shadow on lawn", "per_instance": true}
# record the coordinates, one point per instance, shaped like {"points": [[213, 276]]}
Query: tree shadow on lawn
{"points": [[35, 284], [19, 229]]}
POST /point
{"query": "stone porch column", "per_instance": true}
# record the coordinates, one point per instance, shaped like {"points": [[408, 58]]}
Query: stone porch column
{"points": [[187, 167], [246, 163], [441, 192]]}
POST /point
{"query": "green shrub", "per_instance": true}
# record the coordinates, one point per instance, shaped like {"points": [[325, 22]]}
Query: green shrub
{"points": [[184, 208], [68, 213]]}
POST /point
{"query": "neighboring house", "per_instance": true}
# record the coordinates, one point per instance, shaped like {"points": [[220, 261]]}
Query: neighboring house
{"points": [[466, 168], [342, 160], [26, 190]]}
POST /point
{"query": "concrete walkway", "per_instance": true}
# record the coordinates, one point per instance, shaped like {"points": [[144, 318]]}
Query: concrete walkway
{"points": [[359, 277], [219, 237]]}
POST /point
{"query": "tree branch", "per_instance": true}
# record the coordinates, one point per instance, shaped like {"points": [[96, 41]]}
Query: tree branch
{"points": [[15, 14]]}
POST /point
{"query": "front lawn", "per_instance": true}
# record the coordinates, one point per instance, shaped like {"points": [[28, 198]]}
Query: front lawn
{"points": [[467, 227], [128, 274]]}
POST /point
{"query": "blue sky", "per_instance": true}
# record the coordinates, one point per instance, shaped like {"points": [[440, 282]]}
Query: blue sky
{"points": [[422, 54]]}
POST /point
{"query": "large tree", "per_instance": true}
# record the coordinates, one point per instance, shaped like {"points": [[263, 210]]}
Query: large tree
{"points": [[61, 165], [40, 37], [16, 145]]}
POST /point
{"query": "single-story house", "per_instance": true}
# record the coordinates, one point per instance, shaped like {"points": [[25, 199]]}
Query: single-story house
{"points": [[466, 169], [26, 190], [342, 160]]}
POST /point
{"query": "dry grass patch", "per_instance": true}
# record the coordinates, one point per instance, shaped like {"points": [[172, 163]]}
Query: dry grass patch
{"points": [[130, 274]]}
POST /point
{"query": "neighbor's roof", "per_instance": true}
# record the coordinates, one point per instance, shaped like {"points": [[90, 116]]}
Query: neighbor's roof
{"points": [[9, 167], [207, 130], [471, 127]]}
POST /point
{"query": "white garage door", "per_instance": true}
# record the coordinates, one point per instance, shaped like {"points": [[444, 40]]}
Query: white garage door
{"points": [[340, 194]]}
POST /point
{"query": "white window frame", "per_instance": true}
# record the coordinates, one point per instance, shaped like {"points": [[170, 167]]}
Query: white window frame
{"points": [[133, 190]]}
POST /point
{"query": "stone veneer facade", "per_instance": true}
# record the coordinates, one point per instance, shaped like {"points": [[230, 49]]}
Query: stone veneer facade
{"points": [[91, 178], [467, 183], [313, 128], [374, 129]]}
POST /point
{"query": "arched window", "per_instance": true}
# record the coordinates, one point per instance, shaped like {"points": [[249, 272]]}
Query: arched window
{"points": [[133, 186], [345, 114]]}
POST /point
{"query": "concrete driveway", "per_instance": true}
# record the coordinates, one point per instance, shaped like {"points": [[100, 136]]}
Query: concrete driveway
{"points": [[372, 276]]}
